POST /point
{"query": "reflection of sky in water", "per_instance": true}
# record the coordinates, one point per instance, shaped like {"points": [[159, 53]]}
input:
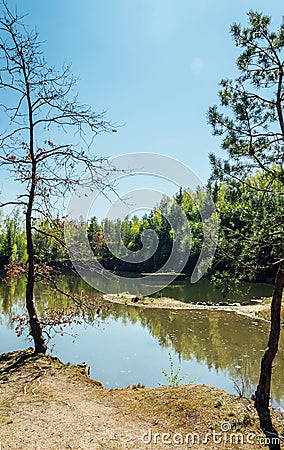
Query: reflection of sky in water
{"points": [[131, 345]]}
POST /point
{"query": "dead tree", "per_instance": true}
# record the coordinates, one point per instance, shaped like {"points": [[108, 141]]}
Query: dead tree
{"points": [[46, 137]]}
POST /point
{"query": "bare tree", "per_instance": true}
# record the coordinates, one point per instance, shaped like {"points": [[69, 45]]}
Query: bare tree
{"points": [[39, 107]]}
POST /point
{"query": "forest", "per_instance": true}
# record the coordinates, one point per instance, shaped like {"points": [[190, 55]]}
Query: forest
{"points": [[250, 228]]}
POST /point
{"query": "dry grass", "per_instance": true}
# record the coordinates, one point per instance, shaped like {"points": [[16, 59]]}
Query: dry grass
{"points": [[48, 405]]}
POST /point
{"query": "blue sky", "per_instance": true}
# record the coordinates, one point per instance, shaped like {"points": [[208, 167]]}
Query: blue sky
{"points": [[154, 65]]}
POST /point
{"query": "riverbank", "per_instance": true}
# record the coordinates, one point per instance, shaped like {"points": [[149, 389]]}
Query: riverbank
{"points": [[259, 308], [45, 404]]}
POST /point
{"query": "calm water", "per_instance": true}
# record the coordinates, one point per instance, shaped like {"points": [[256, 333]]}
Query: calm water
{"points": [[130, 345]]}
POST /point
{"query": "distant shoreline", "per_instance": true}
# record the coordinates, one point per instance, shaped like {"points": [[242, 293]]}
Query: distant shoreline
{"points": [[258, 311]]}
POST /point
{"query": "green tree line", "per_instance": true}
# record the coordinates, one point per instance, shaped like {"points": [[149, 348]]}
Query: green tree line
{"points": [[250, 235]]}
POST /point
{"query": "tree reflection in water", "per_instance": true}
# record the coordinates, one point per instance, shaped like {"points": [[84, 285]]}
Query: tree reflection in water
{"points": [[223, 341]]}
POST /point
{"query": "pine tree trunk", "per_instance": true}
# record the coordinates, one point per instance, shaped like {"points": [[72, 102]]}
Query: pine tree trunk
{"points": [[262, 395]]}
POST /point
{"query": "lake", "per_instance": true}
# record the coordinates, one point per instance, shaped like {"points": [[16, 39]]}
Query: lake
{"points": [[130, 345]]}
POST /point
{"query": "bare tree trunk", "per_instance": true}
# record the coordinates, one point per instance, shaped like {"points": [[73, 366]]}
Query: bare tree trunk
{"points": [[35, 328], [262, 395]]}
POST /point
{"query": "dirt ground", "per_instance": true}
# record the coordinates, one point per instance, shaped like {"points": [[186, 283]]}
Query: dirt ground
{"points": [[47, 405]]}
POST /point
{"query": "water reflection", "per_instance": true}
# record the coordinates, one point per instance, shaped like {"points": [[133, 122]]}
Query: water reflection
{"points": [[203, 291], [221, 340], [132, 345]]}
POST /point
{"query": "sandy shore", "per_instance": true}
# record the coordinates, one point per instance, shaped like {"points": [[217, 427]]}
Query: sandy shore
{"points": [[260, 309]]}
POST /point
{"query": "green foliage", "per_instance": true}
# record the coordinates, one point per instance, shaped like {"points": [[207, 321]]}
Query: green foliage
{"points": [[248, 420], [173, 376], [249, 119], [218, 404], [119, 237], [250, 238], [48, 241], [12, 240], [251, 233], [250, 116]]}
